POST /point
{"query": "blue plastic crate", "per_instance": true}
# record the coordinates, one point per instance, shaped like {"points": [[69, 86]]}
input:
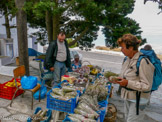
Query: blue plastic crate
{"points": [[105, 102], [67, 119], [109, 87], [100, 118], [64, 81], [48, 114], [61, 105], [102, 113]]}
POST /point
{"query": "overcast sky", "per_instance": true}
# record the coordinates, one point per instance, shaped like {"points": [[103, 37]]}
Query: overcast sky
{"points": [[149, 20], [146, 15]]}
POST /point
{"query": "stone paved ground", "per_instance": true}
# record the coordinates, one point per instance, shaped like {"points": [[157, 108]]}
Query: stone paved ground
{"points": [[21, 107]]}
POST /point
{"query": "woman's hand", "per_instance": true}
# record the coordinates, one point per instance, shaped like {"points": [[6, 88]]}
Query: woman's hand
{"points": [[122, 82]]}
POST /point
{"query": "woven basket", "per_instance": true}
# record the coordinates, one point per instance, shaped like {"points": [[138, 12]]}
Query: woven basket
{"points": [[111, 92], [86, 63], [111, 113]]}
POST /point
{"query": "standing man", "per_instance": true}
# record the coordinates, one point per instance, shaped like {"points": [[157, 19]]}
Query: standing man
{"points": [[58, 57]]}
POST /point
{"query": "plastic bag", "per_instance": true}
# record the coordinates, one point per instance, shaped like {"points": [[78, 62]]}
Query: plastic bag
{"points": [[28, 82], [42, 93]]}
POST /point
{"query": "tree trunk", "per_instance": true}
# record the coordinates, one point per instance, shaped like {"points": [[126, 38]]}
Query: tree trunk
{"points": [[7, 25], [49, 26], [56, 19], [55, 26], [21, 20]]}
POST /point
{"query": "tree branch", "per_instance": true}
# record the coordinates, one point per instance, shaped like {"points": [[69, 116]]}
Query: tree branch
{"points": [[79, 37], [13, 26], [72, 33], [71, 22], [69, 3], [107, 26]]}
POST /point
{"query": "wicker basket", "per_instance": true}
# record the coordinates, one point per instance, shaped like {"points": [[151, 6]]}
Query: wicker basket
{"points": [[111, 92], [111, 113], [85, 62]]}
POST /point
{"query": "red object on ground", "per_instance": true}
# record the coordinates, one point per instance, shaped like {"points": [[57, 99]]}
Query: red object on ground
{"points": [[65, 75], [7, 92]]}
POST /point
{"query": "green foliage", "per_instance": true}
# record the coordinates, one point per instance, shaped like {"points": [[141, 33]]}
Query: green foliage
{"points": [[118, 24], [124, 26], [89, 15], [35, 20], [41, 36], [89, 9], [8, 7], [90, 36], [75, 16], [70, 40], [40, 8]]}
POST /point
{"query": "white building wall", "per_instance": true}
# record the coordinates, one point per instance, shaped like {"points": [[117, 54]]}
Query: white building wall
{"points": [[40, 48], [13, 33], [37, 47], [29, 42], [2, 28], [14, 36]]}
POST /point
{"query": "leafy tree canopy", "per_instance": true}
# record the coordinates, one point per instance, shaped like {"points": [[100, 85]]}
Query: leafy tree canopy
{"points": [[117, 22], [8, 7], [124, 26], [80, 19]]}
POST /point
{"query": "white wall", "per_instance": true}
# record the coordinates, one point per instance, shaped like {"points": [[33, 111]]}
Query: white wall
{"points": [[13, 33], [40, 48], [2, 28], [14, 36], [29, 42]]}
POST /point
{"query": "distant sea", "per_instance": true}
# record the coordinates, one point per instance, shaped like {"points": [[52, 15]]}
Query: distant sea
{"points": [[154, 40]]}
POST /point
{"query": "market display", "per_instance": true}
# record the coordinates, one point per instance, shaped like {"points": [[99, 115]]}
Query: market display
{"points": [[95, 70], [64, 93], [93, 89]]}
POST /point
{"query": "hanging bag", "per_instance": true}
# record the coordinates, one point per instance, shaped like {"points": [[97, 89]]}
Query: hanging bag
{"points": [[28, 82]]}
